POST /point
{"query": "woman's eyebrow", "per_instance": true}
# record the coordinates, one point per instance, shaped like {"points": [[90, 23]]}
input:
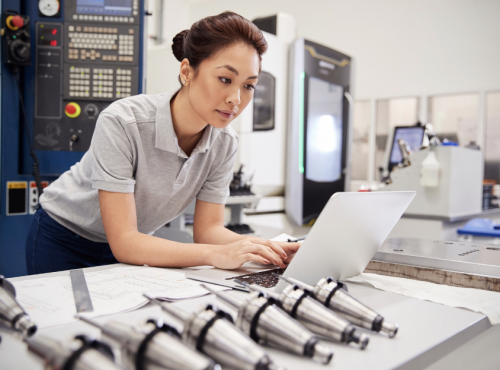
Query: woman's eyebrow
{"points": [[232, 69]]}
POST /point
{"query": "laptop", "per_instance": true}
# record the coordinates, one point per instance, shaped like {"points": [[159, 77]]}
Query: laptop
{"points": [[341, 243]]}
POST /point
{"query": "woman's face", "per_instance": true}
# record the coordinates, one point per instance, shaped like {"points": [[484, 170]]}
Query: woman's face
{"points": [[225, 84]]}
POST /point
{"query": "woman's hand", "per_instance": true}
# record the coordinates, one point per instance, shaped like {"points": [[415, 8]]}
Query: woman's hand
{"points": [[232, 256], [290, 250]]}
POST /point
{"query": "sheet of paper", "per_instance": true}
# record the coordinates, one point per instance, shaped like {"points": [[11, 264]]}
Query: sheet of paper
{"points": [[49, 301], [282, 238], [488, 303]]}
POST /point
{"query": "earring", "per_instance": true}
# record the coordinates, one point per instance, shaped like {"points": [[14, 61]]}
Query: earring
{"points": [[183, 82]]}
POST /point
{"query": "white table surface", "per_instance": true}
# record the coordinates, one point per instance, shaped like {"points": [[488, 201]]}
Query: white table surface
{"points": [[428, 332]]}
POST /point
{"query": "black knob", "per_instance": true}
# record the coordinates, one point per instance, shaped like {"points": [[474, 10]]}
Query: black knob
{"points": [[20, 51], [91, 110]]}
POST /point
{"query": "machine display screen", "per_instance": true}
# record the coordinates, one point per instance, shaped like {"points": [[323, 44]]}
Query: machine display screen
{"points": [[105, 7], [412, 135], [324, 131]]}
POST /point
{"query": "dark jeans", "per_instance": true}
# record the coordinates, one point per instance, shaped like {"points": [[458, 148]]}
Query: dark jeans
{"points": [[52, 247]]}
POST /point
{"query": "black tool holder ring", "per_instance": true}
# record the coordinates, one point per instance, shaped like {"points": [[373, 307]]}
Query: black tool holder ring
{"points": [[87, 344], [140, 357]]}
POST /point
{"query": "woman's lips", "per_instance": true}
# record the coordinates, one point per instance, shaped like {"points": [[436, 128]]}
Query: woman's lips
{"points": [[225, 113]]}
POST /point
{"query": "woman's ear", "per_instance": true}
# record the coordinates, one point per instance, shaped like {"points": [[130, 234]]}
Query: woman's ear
{"points": [[186, 72]]}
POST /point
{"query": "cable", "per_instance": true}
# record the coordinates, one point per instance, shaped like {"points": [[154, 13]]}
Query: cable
{"points": [[36, 165]]}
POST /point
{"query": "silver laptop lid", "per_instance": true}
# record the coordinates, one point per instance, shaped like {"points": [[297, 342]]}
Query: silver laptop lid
{"points": [[347, 234]]}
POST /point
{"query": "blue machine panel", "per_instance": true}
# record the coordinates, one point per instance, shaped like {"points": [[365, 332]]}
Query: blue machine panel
{"points": [[84, 56]]}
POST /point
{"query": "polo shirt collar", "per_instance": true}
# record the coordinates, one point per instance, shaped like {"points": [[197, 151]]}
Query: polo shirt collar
{"points": [[166, 139]]}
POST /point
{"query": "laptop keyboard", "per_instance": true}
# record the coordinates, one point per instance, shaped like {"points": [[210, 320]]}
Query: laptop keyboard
{"points": [[266, 279]]}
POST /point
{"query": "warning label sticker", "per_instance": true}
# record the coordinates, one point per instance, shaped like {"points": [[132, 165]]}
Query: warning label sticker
{"points": [[17, 185]]}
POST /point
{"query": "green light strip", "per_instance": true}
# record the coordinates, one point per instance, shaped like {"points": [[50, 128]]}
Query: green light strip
{"points": [[301, 123]]}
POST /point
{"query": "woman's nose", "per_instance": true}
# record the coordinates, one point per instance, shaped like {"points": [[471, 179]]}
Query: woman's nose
{"points": [[234, 98]]}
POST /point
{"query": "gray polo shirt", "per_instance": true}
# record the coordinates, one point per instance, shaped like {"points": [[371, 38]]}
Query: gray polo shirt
{"points": [[134, 150]]}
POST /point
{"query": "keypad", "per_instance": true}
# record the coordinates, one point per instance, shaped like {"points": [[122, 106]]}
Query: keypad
{"points": [[123, 83], [79, 82], [100, 44], [104, 18], [106, 83], [102, 83]]}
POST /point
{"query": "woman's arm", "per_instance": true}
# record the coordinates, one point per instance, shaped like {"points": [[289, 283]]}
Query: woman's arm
{"points": [[130, 246], [209, 228]]}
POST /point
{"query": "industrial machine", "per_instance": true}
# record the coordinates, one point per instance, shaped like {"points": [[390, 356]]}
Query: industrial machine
{"points": [[462, 264], [63, 62], [263, 125], [413, 136], [318, 144], [457, 189]]}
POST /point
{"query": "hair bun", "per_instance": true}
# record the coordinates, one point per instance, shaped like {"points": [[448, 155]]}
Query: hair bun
{"points": [[178, 45]]}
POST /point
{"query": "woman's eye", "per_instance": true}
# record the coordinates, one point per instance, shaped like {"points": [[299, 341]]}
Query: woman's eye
{"points": [[225, 80], [250, 87]]}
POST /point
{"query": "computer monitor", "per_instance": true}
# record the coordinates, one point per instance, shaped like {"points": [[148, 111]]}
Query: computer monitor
{"points": [[412, 135]]}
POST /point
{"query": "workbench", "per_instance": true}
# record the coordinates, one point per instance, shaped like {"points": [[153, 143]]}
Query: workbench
{"points": [[429, 334]]}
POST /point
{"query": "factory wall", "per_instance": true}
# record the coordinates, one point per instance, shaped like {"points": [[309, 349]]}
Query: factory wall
{"points": [[402, 48], [162, 67]]}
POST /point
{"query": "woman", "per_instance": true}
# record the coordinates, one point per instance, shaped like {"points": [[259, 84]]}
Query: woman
{"points": [[150, 156]]}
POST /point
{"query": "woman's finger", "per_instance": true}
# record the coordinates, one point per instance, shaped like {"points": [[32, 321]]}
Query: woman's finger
{"points": [[274, 246], [290, 247], [256, 258], [276, 255], [265, 252]]}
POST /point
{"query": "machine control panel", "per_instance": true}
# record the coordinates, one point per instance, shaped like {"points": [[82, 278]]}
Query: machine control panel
{"points": [[101, 83], [102, 44], [83, 64]]}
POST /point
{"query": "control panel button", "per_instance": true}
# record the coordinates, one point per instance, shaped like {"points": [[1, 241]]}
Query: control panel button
{"points": [[91, 110], [14, 22], [18, 21], [72, 110]]}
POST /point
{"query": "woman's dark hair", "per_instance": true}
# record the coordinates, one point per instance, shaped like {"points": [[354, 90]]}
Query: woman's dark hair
{"points": [[213, 34]]}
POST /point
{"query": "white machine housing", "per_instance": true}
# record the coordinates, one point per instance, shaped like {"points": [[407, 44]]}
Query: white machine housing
{"points": [[263, 152], [460, 189]]}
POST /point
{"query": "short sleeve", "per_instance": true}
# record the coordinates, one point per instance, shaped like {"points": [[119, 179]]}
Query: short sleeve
{"points": [[112, 156], [216, 187]]}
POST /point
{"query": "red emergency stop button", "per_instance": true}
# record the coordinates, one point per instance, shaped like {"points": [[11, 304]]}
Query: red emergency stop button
{"points": [[72, 110], [14, 22], [18, 21]]}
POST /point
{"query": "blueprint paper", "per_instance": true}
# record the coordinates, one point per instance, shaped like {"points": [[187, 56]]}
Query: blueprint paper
{"points": [[49, 301], [477, 300]]}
